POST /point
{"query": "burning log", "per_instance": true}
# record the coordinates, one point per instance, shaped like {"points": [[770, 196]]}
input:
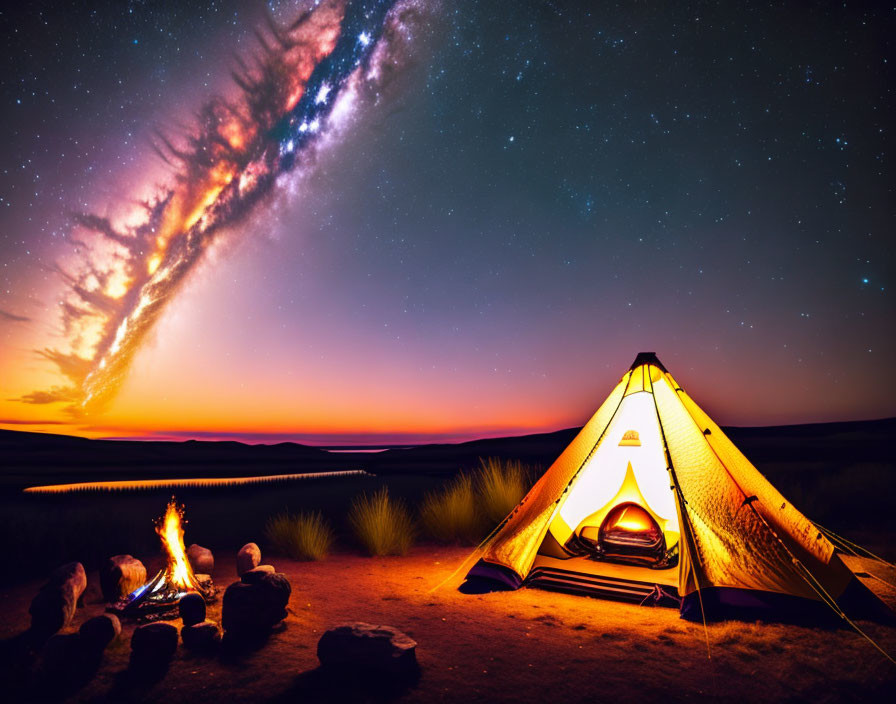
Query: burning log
{"points": [[159, 597]]}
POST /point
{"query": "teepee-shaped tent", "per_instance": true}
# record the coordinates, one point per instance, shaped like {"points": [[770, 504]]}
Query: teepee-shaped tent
{"points": [[651, 500]]}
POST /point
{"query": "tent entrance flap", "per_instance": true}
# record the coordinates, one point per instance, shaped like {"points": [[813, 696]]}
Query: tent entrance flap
{"points": [[620, 506]]}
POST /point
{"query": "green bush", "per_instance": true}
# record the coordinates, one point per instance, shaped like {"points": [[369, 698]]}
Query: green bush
{"points": [[301, 536], [450, 515], [502, 485], [381, 524]]}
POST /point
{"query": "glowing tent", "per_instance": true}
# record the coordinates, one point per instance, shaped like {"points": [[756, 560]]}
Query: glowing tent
{"points": [[652, 502]]}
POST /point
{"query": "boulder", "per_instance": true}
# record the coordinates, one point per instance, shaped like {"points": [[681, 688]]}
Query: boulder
{"points": [[255, 573], [68, 661], [54, 605], [249, 557], [153, 645], [192, 608], [61, 659], [253, 609], [96, 633], [357, 646], [201, 559], [121, 575], [201, 637]]}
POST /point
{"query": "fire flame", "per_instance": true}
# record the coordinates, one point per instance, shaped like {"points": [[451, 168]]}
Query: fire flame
{"points": [[171, 531]]}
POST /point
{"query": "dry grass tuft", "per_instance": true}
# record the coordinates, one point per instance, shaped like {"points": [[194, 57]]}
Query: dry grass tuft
{"points": [[302, 536], [502, 485], [382, 524], [450, 515]]}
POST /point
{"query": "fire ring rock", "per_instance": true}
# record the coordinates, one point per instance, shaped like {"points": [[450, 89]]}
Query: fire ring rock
{"points": [[60, 660], [253, 609], [121, 575], [96, 633], [201, 559], [152, 645], [363, 646], [192, 608], [54, 605], [253, 575], [249, 557], [201, 637]]}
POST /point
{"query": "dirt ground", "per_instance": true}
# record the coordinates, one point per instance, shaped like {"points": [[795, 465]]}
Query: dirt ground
{"points": [[524, 646]]}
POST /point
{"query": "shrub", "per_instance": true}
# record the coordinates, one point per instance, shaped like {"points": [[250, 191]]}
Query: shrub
{"points": [[450, 515], [381, 524], [302, 536], [502, 485]]}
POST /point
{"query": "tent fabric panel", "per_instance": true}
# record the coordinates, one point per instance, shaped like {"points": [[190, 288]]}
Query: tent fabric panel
{"points": [[813, 548], [724, 603], [636, 381], [515, 544], [495, 573], [735, 548], [877, 576]]}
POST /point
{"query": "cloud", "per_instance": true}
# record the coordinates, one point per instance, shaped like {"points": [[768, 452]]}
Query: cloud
{"points": [[13, 318], [71, 365], [57, 394], [15, 421]]}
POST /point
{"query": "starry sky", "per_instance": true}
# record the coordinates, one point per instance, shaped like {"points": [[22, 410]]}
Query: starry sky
{"points": [[414, 220]]}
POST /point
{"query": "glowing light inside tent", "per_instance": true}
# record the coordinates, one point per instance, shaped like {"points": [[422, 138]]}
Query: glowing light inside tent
{"points": [[633, 519], [633, 444]]}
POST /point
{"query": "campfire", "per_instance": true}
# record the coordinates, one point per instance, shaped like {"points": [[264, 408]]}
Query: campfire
{"points": [[158, 598]]}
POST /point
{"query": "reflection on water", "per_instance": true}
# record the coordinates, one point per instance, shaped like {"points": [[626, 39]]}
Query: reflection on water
{"points": [[41, 530], [197, 482]]}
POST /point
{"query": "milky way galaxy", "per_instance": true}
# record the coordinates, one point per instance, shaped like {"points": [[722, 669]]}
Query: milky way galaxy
{"points": [[302, 85], [403, 221]]}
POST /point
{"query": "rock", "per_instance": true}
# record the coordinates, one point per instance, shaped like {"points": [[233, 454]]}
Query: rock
{"points": [[61, 659], [253, 609], [201, 559], [121, 575], [203, 636], [153, 644], [54, 605], [253, 575], [249, 557], [362, 646], [192, 608], [97, 632], [68, 661], [70, 572]]}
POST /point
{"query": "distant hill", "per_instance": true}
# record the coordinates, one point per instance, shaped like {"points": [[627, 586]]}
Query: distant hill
{"points": [[39, 458]]}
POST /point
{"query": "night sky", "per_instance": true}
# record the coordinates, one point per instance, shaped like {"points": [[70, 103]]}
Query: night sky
{"points": [[418, 220]]}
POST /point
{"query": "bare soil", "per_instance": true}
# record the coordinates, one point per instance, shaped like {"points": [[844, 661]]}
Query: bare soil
{"points": [[524, 646]]}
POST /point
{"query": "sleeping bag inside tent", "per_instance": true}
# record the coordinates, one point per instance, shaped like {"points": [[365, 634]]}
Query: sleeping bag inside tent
{"points": [[652, 503]]}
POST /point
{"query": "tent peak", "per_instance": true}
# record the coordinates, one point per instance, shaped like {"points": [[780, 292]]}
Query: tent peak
{"points": [[647, 358]]}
